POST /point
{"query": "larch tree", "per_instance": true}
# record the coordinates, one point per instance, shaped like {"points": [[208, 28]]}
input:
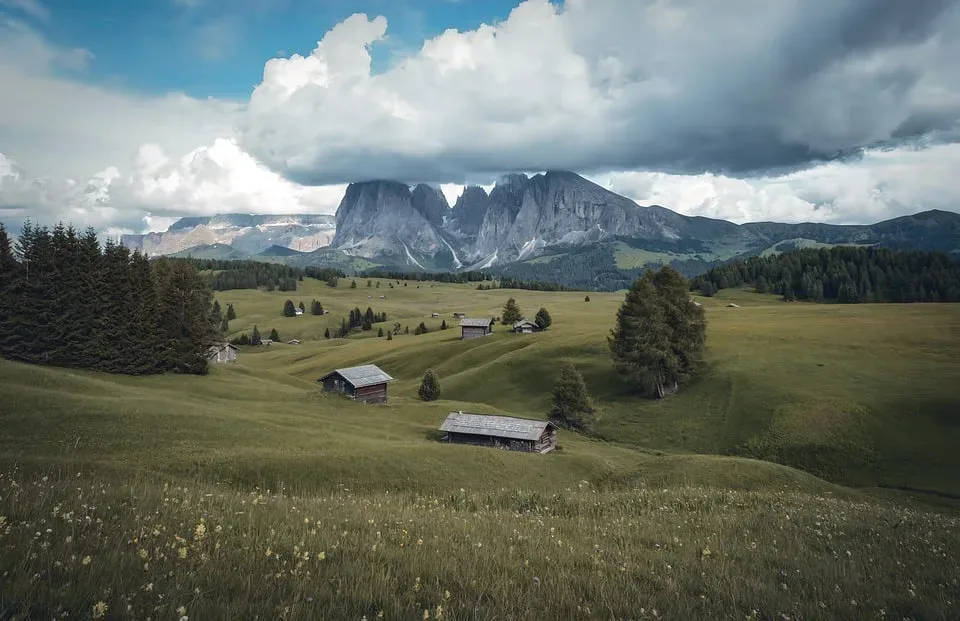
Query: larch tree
{"points": [[430, 386], [572, 406], [543, 319], [511, 313]]}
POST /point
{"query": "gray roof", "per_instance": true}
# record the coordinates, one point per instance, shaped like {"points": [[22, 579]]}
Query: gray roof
{"points": [[475, 323], [499, 426], [525, 322], [218, 347], [364, 375]]}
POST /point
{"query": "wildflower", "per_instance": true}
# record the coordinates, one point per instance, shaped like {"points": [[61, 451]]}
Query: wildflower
{"points": [[419, 542], [182, 611], [143, 553], [438, 614], [99, 610], [69, 538], [86, 560], [322, 556], [182, 553], [426, 614], [200, 531], [446, 595], [268, 552]]}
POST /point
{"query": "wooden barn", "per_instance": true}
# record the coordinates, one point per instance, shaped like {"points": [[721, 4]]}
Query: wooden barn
{"points": [[473, 328], [503, 432], [367, 383], [222, 352], [525, 326]]}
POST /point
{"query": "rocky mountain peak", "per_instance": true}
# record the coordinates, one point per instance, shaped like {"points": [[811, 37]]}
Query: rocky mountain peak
{"points": [[430, 202]]}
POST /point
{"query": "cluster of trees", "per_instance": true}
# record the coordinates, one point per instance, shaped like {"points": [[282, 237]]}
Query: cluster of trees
{"points": [[316, 308], [224, 275], [659, 336], [326, 274], [255, 339], [219, 318], [290, 310], [512, 314], [421, 329], [445, 277], [843, 274], [591, 268], [358, 319], [67, 301], [506, 282]]}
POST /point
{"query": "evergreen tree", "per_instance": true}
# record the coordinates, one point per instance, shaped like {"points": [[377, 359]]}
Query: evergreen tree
{"points": [[423, 328], [216, 315], [406, 330], [511, 313], [378, 284], [326, 333], [302, 308], [332, 281], [316, 308], [255, 338], [586, 299], [225, 325], [572, 406], [369, 315], [369, 283], [231, 314], [380, 333], [9, 278], [389, 336], [289, 310], [543, 319], [184, 303], [430, 387], [659, 335], [274, 335], [353, 284], [443, 324]]}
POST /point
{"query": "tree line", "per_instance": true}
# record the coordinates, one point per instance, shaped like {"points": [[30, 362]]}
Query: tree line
{"points": [[227, 274], [844, 274], [444, 277], [67, 301]]}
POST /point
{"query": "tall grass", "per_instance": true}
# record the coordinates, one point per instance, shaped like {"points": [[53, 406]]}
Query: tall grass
{"points": [[75, 547]]}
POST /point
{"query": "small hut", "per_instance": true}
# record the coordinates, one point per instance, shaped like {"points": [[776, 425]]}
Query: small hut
{"points": [[459, 315], [525, 326], [473, 328], [504, 432], [367, 383], [222, 352]]}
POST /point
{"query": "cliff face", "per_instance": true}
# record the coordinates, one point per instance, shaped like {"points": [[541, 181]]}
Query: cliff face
{"points": [[247, 234]]}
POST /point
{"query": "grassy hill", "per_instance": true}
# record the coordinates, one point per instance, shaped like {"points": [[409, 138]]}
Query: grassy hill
{"points": [[313, 506]]}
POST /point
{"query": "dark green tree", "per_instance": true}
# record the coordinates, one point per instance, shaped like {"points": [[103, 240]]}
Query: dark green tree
{"points": [[369, 283], [443, 324], [389, 336], [572, 406], [216, 315], [225, 325], [302, 308], [586, 298], [543, 319], [316, 308], [274, 335], [511, 313], [231, 314], [380, 332], [326, 333], [430, 387], [353, 284], [659, 333], [255, 338], [289, 310]]}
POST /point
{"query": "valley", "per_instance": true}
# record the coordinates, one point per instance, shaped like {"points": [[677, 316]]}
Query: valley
{"points": [[810, 472]]}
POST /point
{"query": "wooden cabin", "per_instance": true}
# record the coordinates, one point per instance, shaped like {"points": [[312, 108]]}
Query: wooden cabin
{"points": [[525, 326], [222, 352], [473, 328], [367, 383], [459, 315], [503, 432]]}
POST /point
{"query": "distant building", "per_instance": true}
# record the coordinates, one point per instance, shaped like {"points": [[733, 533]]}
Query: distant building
{"points": [[297, 311], [473, 328], [367, 383], [504, 432], [434, 315], [293, 342], [222, 352], [459, 315], [525, 326]]}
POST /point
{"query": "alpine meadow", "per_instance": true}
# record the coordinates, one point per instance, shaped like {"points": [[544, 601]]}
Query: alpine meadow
{"points": [[620, 310]]}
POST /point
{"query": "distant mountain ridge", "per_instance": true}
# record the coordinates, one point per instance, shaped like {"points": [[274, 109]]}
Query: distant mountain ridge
{"points": [[523, 223]]}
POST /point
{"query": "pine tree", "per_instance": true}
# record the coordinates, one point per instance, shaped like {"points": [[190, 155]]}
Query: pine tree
{"points": [[406, 330], [380, 333], [430, 387], [511, 313], [274, 335], [289, 310], [184, 304], [369, 283], [231, 314], [225, 325], [389, 336], [586, 299], [572, 406], [423, 328], [9, 274], [443, 324], [316, 308], [543, 319], [378, 284], [302, 308], [216, 315], [326, 333], [353, 284], [640, 341], [255, 338]]}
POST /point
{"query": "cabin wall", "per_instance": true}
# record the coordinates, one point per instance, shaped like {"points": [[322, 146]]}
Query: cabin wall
{"points": [[372, 394], [470, 332], [335, 383], [525, 446]]}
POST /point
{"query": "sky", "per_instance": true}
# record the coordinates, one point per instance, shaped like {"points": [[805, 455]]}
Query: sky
{"points": [[127, 115]]}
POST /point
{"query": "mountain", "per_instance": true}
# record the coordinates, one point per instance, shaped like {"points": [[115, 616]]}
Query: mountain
{"points": [[555, 226], [246, 234]]}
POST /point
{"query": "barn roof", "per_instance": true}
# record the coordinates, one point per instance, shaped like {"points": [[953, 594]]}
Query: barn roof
{"points": [[364, 375], [475, 323], [498, 426], [218, 347], [525, 322]]}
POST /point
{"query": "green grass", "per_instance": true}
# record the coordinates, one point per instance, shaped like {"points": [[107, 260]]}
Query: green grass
{"points": [[861, 396]]}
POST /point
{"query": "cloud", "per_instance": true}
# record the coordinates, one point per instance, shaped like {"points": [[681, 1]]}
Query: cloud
{"points": [[883, 184], [219, 178], [33, 8], [679, 87], [216, 39]]}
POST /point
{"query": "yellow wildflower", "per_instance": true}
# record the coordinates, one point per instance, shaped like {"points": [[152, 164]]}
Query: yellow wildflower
{"points": [[182, 610], [200, 531], [322, 556], [99, 610], [143, 553], [426, 614], [446, 595], [86, 560], [182, 553]]}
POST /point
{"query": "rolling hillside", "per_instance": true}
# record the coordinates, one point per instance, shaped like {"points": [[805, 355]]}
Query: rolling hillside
{"points": [[665, 497]]}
